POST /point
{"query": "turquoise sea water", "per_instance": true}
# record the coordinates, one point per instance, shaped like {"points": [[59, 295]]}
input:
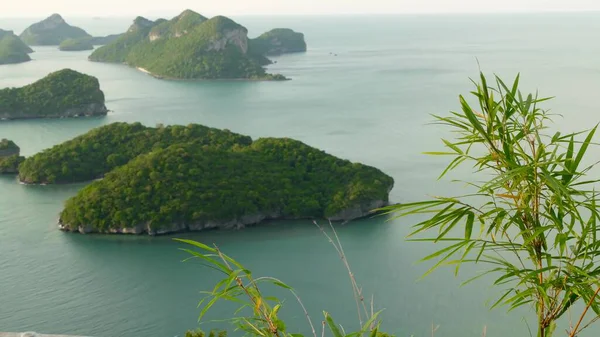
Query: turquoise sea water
{"points": [[370, 103]]}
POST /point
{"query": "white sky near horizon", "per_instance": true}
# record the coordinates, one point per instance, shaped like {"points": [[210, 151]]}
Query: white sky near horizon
{"points": [[35, 8]]}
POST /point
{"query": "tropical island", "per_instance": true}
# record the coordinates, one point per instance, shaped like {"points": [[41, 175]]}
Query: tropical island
{"points": [[279, 41], [10, 158], [65, 93], [190, 46], [76, 44], [177, 178], [12, 49], [52, 31]]}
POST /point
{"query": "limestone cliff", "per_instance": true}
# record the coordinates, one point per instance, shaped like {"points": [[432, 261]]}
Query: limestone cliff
{"points": [[140, 23], [236, 37]]}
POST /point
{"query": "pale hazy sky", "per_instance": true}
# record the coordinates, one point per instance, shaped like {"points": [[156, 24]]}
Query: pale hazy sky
{"points": [[30, 8]]}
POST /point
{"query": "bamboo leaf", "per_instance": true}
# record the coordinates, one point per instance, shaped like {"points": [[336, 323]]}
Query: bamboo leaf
{"points": [[282, 285], [583, 149], [332, 327], [469, 225], [197, 244], [452, 146]]}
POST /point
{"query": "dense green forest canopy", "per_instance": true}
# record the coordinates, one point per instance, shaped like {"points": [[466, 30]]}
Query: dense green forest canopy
{"points": [[54, 94], [95, 153], [187, 184], [189, 46], [76, 44], [51, 32], [10, 164], [12, 49]]}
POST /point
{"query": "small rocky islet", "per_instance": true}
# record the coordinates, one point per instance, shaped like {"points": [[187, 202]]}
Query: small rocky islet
{"points": [[55, 31], [65, 93], [279, 41]]}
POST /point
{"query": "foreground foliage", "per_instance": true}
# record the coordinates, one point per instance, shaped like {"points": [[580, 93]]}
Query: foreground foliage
{"points": [[200, 333], [532, 219], [189, 46], [196, 186], [259, 314], [51, 96]]}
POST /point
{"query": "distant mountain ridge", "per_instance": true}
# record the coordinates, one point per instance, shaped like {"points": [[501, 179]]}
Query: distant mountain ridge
{"points": [[12, 49], [52, 31]]}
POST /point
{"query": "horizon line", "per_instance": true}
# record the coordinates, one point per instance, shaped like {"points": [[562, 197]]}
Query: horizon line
{"points": [[174, 13]]}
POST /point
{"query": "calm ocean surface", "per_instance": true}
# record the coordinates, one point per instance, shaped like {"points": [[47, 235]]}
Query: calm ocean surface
{"points": [[370, 103]]}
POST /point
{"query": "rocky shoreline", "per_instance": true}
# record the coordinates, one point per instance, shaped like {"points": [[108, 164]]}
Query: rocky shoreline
{"points": [[354, 213], [89, 110], [145, 71]]}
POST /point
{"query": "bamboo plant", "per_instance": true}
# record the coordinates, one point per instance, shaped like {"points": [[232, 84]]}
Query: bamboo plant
{"points": [[529, 213]]}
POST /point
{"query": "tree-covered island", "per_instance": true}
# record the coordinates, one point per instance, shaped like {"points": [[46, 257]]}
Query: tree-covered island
{"points": [[178, 178], [191, 46], [65, 93], [52, 31]]}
